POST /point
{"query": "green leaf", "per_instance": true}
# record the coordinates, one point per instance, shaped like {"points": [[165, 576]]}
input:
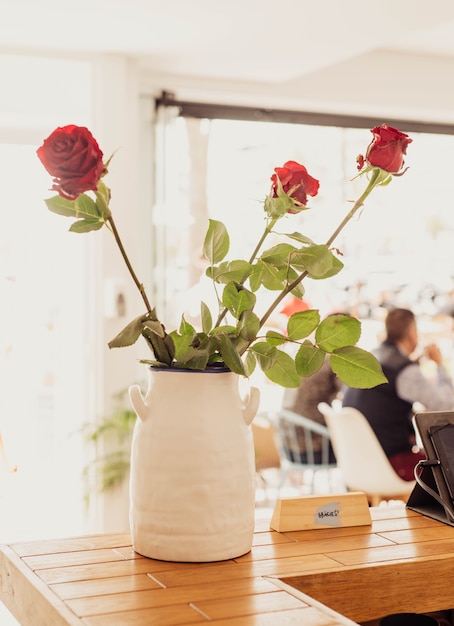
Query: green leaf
{"points": [[154, 326], [255, 276], [87, 207], [272, 277], [226, 329], [153, 363], [279, 254], [299, 237], [158, 341], [273, 338], [249, 364], [241, 344], [211, 345], [207, 320], [246, 301], [183, 346], [265, 354], [277, 207], [186, 354], [357, 368], [337, 331], [318, 261], [61, 206], [309, 359], [162, 347], [83, 207], [103, 199], [198, 361], [231, 271], [248, 326], [186, 329], [217, 242], [335, 269], [302, 324], [129, 335], [86, 225], [230, 356], [337, 266], [283, 371], [237, 299], [298, 291]]}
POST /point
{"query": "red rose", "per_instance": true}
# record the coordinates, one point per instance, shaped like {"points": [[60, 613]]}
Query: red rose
{"points": [[387, 148], [295, 181], [72, 156]]}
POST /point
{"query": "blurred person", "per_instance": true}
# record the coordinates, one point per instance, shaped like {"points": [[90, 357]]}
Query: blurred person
{"points": [[389, 407]]}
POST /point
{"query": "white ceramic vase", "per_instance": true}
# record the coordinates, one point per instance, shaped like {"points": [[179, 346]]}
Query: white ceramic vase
{"points": [[192, 485]]}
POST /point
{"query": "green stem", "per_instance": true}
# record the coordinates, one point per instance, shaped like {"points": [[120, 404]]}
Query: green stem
{"points": [[266, 232], [375, 179], [138, 284], [254, 254]]}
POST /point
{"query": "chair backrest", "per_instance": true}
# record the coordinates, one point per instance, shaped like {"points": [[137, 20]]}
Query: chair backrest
{"points": [[360, 456], [291, 428]]}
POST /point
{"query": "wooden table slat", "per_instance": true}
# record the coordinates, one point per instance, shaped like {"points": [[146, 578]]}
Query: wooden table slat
{"points": [[65, 559], [89, 542], [432, 533], [309, 616], [104, 586], [103, 603], [164, 616], [93, 571], [248, 605], [269, 567], [323, 545], [398, 551]]}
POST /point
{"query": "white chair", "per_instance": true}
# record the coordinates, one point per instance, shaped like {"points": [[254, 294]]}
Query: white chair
{"points": [[360, 457], [286, 424]]}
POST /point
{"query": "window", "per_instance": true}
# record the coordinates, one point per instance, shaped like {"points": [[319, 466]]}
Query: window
{"points": [[43, 316], [396, 253]]}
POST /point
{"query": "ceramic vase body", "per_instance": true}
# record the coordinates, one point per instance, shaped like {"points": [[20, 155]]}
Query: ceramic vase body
{"points": [[192, 486]]}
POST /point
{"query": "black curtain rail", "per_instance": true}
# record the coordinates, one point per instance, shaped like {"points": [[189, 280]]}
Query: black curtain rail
{"points": [[205, 110]]}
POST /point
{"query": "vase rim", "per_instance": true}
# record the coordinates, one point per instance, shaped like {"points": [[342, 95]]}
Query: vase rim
{"points": [[210, 370]]}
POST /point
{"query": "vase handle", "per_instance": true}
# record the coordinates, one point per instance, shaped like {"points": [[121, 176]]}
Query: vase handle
{"points": [[251, 405], [137, 401]]}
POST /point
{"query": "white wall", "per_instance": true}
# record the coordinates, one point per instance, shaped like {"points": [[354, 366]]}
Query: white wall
{"points": [[118, 124]]}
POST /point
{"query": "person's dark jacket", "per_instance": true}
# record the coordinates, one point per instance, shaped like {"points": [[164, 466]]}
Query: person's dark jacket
{"points": [[389, 415]]}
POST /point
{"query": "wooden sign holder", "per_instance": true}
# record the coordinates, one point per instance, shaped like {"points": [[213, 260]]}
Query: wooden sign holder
{"points": [[311, 512]]}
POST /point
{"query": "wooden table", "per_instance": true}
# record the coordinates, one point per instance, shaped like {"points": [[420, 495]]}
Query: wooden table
{"points": [[404, 562]]}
